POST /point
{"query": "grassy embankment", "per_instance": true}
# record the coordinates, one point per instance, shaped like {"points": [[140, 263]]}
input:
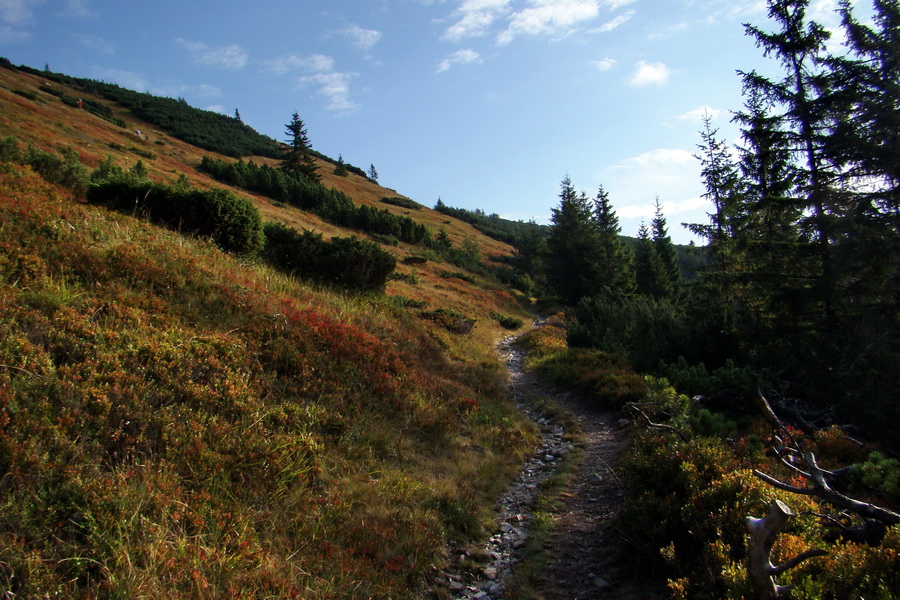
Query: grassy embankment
{"points": [[176, 422]]}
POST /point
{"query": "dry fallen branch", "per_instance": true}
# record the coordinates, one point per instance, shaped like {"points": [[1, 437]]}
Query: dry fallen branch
{"points": [[663, 426], [763, 533], [820, 489]]}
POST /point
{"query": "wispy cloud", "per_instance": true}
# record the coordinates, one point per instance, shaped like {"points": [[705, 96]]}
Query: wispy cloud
{"points": [[549, 17], [79, 9], [291, 62], [604, 64], [474, 18], [96, 43], [226, 57], [697, 115], [616, 4], [334, 87], [718, 11], [649, 74], [617, 22], [635, 182], [18, 12], [15, 15], [129, 79], [364, 39], [460, 57]]}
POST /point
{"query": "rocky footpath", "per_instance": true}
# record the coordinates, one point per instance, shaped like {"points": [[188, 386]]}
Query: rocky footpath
{"points": [[577, 543]]}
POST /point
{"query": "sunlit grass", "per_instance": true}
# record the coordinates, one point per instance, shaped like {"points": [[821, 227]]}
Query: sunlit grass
{"points": [[179, 423]]}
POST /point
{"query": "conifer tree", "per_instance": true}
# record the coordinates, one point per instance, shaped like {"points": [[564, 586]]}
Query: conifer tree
{"points": [[799, 45], [373, 174], [340, 169], [673, 282], [649, 271], [616, 269], [297, 158], [572, 247]]}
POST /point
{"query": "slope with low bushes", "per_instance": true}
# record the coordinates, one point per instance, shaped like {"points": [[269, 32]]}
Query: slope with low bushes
{"points": [[180, 422]]}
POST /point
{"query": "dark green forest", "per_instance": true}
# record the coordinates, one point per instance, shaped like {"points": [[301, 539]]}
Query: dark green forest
{"points": [[802, 287]]}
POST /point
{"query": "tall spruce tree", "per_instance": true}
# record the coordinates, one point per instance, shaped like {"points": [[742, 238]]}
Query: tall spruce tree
{"points": [[297, 158], [799, 45], [573, 255], [649, 271], [616, 269], [672, 284]]}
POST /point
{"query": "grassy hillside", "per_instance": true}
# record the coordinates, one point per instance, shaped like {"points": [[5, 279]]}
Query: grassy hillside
{"points": [[177, 422]]}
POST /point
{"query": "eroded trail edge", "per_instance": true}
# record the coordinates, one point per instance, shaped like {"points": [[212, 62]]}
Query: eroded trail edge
{"points": [[579, 543]]}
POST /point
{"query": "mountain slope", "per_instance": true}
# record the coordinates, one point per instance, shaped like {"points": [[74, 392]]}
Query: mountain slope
{"points": [[177, 422]]}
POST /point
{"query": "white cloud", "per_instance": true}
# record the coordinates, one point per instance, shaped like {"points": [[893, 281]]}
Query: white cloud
{"points": [[673, 174], [618, 21], [616, 4], [93, 42], [14, 16], [460, 57], [474, 18], [669, 208], [364, 39], [649, 74], [549, 17], [696, 115], [314, 62], [79, 9], [730, 10], [334, 87], [604, 64], [127, 79], [18, 12], [226, 57], [661, 157], [216, 108]]}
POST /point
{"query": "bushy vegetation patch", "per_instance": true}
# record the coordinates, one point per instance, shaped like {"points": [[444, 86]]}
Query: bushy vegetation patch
{"points": [[603, 378], [177, 424], [690, 494], [349, 263], [402, 202], [507, 321], [451, 320], [231, 222], [332, 205], [64, 169], [689, 476]]}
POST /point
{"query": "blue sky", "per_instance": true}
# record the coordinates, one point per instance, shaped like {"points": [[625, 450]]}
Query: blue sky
{"points": [[482, 103]]}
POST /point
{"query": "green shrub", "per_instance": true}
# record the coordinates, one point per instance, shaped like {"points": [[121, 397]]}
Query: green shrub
{"points": [[402, 202], [881, 474], [349, 263], [9, 150], [696, 379], [507, 322], [450, 320], [233, 223]]}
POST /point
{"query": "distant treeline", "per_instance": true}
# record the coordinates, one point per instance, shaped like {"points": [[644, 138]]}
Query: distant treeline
{"points": [[504, 230], [332, 205]]}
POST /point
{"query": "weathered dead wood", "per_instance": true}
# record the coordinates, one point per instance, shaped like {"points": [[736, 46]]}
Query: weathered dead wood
{"points": [[820, 489], [662, 426], [763, 533]]}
